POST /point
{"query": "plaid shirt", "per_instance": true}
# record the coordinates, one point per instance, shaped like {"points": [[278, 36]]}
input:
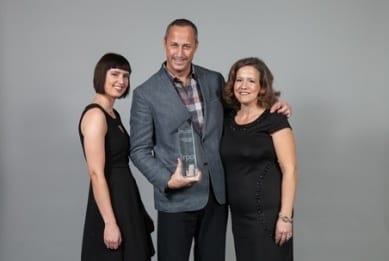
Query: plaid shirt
{"points": [[191, 96]]}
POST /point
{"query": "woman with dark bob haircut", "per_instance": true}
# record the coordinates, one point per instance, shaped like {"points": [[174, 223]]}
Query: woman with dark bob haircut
{"points": [[109, 61], [259, 157], [117, 226]]}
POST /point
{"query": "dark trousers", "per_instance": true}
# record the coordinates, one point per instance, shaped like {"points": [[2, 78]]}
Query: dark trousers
{"points": [[207, 226]]}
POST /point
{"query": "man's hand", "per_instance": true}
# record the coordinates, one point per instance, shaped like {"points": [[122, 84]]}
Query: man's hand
{"points": [[177, 180], [282, 107]]}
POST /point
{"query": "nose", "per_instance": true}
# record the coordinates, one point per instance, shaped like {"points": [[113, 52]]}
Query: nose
{"points": [[179, 51], [121, 79], [243, 84]]}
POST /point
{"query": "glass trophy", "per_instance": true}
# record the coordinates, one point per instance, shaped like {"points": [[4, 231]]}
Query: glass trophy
{"points": [[187, 150]]}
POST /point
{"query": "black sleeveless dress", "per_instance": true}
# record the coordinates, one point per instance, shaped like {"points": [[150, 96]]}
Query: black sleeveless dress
{"points": [[134, 223], [253, 181]]}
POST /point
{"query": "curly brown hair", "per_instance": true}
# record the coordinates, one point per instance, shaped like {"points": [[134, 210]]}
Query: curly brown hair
{"points": [[267, 96]]}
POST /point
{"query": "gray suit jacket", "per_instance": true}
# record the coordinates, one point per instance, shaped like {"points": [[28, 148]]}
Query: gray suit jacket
{"points": [[156, 114]]}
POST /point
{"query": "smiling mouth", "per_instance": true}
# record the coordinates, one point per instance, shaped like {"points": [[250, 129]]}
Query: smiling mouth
{"points": [[119, 88], [179, 60]]}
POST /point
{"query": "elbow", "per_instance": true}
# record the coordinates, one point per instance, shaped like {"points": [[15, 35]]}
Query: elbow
{"points": [[94, 175], [135, 157], [290, 170], [135, 152], [139, 156], [294, 172]]}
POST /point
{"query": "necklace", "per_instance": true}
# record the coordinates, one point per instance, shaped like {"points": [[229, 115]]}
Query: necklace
{"points": [[111, 112]]}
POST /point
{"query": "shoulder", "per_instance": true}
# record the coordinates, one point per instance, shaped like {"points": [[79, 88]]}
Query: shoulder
{"points": [[204, 70], [211, 80], [208, 72], [93, 118], [94, 114], [93, 110], [275, 121], [148, 86]]}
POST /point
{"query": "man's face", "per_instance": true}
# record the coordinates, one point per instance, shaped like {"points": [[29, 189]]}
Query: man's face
{"points": [[180, 46]]}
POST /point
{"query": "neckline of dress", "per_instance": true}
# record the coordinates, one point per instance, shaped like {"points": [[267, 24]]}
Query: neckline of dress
{"points": [[245, 125]]}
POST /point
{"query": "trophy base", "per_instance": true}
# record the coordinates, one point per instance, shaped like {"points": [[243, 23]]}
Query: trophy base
{"points": [[190, 171]]}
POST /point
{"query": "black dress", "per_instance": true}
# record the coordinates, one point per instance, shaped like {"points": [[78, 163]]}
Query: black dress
{"points": [[254, 186], [134, 223]]}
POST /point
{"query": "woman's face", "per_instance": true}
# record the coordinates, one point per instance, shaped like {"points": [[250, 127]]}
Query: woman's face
{"points": [[116, 82], [246, 85]]}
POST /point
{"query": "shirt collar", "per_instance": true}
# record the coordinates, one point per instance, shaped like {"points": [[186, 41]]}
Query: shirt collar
{"points": [[171, 76]]}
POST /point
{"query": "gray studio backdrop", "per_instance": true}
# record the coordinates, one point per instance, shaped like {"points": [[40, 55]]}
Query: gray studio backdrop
{"points": [[330, 60]]}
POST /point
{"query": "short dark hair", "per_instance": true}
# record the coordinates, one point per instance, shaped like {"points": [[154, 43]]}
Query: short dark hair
{"points": [[106, 62], [267, 96], [182, 22]]}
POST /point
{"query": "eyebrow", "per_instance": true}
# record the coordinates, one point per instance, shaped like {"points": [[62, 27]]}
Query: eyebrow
{"points": [[118, 70]]}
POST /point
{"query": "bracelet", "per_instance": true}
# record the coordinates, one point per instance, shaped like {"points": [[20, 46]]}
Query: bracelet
{"points": [[286, 219]]}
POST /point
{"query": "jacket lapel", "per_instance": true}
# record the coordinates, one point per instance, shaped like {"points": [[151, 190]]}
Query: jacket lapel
{"points": [[202, 82], [172, 100]]}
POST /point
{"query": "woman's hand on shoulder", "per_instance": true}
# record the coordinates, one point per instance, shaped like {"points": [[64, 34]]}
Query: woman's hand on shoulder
{"points": [[282, 107]]}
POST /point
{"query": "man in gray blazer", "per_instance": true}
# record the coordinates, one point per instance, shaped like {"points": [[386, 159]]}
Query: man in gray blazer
{"points": [[182, 94], [178, 94]]}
